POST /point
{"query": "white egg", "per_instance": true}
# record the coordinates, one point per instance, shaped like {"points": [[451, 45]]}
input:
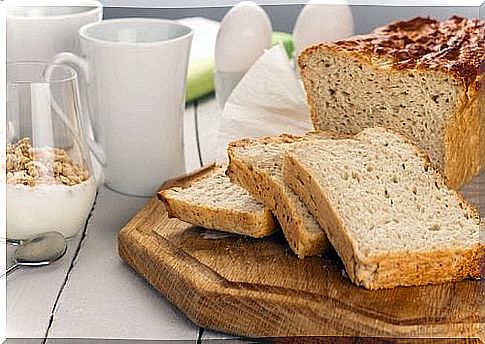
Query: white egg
{"points": [[243, 36], [322, 21]]}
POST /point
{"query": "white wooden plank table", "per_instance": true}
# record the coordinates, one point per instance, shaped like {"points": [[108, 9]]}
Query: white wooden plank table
{"points": [[103, 297], [33, 292], [91, 293]]}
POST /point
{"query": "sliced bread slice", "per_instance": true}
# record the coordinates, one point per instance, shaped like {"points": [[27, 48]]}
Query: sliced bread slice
{"points": [[386, 210], [256, 165], [211, 201]]}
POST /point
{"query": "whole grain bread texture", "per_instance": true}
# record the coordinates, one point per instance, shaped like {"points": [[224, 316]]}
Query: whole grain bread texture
{"points": [[211, 201], [421, 77], [386, 210], [256, 165]]}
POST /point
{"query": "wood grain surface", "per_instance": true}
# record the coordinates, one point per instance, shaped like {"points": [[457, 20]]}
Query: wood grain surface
{"points": [[258, 288]]}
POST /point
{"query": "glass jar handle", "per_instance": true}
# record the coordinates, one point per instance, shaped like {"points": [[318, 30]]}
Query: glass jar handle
{"points": [[82, 65]]}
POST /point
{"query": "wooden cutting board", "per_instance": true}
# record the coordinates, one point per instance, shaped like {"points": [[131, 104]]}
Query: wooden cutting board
{"points": [[257, 287]]}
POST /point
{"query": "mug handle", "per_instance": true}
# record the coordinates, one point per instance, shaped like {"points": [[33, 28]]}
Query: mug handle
{"points": [[82, 65]]}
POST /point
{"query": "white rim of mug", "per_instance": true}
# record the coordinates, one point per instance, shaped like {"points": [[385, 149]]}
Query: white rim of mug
{"points": [[83, 29], [46, 64], [97, 7]]}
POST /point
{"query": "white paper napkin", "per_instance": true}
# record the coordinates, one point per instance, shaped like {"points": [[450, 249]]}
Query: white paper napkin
{"points": [[269, 100]]}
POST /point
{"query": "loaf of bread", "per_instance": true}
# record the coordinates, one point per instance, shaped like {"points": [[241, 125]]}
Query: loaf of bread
{"points": [[386, 210], [256, 165], [420, 77], [210, 200]]}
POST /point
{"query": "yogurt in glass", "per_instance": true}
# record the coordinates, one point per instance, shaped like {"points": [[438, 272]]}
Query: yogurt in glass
{"points": [[44, 208]]}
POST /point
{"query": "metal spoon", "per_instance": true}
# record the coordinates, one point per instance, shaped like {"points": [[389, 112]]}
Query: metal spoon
{"points": [[39, 250]]}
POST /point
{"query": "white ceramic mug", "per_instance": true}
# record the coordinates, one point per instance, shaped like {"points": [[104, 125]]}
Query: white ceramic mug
{"points": [[37, 30], [136, 71]]}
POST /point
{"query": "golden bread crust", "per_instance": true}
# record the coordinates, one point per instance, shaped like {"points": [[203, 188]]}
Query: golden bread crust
{"points": [[455, 45]]}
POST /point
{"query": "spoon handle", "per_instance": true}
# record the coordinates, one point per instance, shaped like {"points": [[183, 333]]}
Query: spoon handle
{"points": [[9, 270]]}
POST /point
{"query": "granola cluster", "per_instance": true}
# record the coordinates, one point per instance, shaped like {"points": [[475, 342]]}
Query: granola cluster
{"points": [[47, 165]]}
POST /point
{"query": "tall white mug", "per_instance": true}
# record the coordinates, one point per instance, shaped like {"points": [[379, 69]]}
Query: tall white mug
{"points": [[136, 70], [37, 30]]}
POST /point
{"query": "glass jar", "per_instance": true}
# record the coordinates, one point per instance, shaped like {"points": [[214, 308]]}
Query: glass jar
{"points": [[48, 180]]}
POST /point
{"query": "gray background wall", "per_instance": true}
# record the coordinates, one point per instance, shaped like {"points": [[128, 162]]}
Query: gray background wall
{"points": [[283, 16]]}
